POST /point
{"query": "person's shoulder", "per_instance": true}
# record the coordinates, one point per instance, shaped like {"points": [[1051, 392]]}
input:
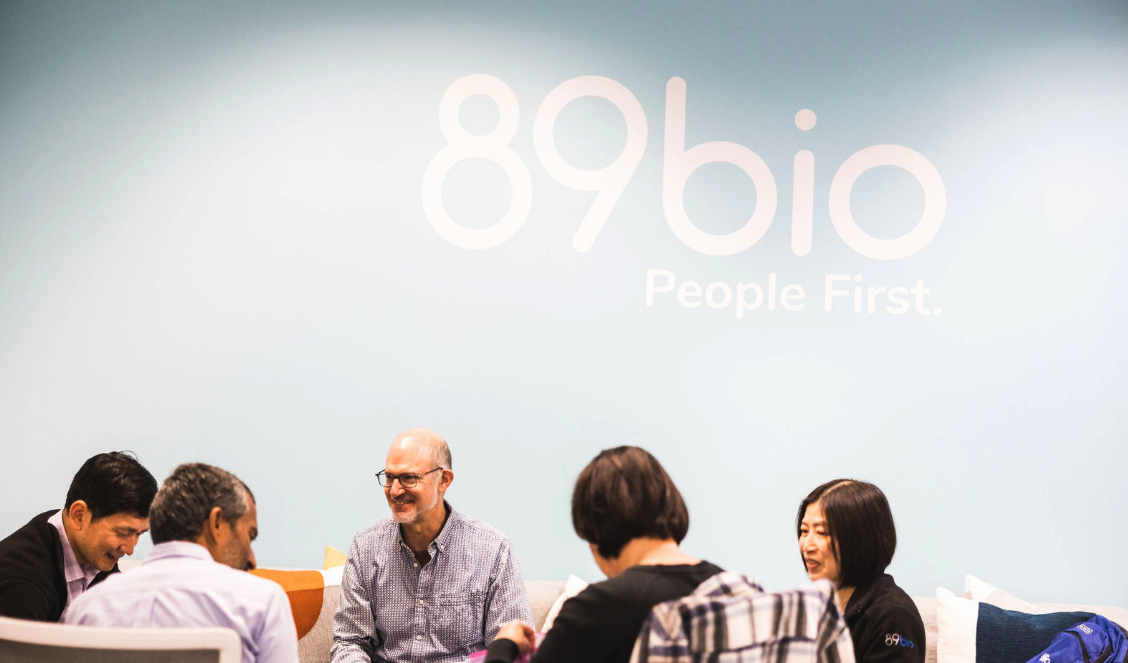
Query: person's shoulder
{"points": [[896, 611], [600, 593], [245, 584], [195, 574], [478, 530], [638, 589], [32, 552], [632, 581], [892, 595], [377, 532], [894, 606], [706, 569], [34, 531], [698, 573]]}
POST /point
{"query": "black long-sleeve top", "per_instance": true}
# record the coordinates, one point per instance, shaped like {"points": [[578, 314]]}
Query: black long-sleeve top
{"points": [[884, 623], [601, 623]]}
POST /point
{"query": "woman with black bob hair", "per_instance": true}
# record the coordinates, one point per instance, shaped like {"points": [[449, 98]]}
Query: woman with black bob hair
{"points": [[631, 514], [846, 535]]}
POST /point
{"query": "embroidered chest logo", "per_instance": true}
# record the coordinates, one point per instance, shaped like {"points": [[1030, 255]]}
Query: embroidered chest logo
{"points": [[896, 640]]}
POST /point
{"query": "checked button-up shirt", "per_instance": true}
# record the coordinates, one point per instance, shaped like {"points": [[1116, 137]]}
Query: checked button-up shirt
{"points": [[730, 619], [395, 610]]}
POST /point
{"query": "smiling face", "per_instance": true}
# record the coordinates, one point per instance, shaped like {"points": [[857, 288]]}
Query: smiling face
{"points": [[101, 543], [413, 454], [817, 547]]}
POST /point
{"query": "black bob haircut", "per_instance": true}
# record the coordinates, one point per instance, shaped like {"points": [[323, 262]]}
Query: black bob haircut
{"points": [[112, 483], [623, 494], [860, 526]]}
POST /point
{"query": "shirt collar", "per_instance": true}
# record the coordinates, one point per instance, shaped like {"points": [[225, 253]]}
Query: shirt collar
{"points": [[445, 534], [178, 549], [72, 570]]}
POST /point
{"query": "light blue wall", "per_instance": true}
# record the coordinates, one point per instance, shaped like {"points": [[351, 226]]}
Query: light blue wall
{"points": [[213, 247]]}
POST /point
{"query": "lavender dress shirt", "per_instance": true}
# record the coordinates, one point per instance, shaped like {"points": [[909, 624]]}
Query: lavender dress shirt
{"points": [[179, 585], [392, 610], [78, 577]]}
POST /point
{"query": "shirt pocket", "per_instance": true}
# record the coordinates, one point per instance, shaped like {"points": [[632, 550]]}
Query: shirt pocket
{"points": [[456, 620]]}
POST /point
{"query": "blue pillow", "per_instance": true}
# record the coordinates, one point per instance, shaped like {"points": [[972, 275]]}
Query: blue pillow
{"points": [[1007, 636]]}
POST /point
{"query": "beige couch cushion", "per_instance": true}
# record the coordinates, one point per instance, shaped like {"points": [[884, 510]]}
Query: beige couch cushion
{"points": [[542, 594]]}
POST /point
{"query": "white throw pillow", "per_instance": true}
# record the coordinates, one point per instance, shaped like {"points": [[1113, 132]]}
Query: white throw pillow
{"points": [[573, 586], [956, 618], [978, 590]]}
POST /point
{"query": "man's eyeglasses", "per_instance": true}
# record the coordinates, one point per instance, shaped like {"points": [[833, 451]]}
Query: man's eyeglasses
{"points": [[406, 480]]}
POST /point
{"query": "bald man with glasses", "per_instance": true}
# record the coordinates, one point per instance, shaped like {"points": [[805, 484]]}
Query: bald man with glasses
{"points": [[428, 584]]}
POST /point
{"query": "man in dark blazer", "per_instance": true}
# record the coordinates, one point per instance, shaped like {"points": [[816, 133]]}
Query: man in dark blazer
{"points": [[52, 560]]}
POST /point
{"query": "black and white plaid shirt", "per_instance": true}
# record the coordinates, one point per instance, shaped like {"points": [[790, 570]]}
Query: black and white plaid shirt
{"points": [[730, 619]]}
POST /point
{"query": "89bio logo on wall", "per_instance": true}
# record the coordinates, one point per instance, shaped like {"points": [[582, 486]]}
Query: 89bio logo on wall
{"points": [[678, 163]]}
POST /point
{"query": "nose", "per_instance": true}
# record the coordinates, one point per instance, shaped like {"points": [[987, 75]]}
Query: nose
{"points": [[130, 544], [251, 563], [807, 543], [396, 488]]}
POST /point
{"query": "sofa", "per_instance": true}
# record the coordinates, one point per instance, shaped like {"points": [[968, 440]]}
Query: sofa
{"points": [[945, 615]]}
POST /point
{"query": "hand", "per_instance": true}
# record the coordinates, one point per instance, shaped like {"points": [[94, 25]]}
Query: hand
{"points": [[519, 632]]}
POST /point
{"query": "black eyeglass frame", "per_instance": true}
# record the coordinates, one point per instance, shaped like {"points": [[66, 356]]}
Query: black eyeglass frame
{"points": [[383, 476]]}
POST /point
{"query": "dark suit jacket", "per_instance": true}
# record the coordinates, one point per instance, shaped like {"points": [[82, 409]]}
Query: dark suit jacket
{"points": [[32, 582]]}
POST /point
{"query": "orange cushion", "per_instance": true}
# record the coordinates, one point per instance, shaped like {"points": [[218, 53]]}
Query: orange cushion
{"points": [[306, 591]]}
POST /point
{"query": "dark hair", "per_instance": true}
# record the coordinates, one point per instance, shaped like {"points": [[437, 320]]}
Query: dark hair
{"points": [[860, 526], [623, 494], [187, 497], [112, 483]]}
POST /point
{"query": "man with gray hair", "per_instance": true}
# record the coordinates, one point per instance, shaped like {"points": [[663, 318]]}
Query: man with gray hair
{"points": [[202, 521], [429, 584]]}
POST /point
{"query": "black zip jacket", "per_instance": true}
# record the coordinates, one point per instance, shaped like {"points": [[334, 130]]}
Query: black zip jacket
{"points": [[884, 623]]}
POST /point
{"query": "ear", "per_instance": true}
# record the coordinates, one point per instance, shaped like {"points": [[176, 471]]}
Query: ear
{"points": [[214, 524], [446, 478], [79, 515]]}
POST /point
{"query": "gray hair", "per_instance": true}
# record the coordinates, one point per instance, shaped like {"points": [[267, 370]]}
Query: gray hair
{"points": [[440, 454], [187, 497]]}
